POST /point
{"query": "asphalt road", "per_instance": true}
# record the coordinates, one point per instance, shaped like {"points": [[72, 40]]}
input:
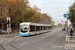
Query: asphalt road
{"points": [[54, 40], [6, 35]]}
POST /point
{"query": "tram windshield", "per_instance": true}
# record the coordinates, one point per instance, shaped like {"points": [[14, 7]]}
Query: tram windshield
{"points": [[24, 28]]}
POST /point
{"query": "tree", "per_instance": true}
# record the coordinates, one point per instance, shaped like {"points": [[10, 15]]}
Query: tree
{"points": [[47, 19], [19, 11], [15, 9], [33, 15], [64, 25], [71, 13], [29, 14], [53, 25], [59, 25]]}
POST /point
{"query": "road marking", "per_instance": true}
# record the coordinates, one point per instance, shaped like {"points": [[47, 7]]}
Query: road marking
{"points": [[71, 45], [57, 38], [24, 44]]}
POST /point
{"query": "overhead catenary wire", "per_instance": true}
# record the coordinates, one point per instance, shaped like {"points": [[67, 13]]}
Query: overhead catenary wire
{"points": [[46, 3], [32, 2]]}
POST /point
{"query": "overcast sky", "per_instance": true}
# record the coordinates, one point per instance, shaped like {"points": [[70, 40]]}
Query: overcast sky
{"points": [[54, 8]]}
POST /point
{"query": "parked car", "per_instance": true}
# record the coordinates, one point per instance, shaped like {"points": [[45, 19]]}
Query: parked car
{"points": [[3, 31], [0, 31]]}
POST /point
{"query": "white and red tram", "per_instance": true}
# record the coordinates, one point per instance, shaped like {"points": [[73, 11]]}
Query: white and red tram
{"points": [[29, 28]]}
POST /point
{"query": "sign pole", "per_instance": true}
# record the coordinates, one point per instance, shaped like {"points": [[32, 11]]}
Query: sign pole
{"points": [[67, 26], [62, 23], [8, 25], [65, 15]]}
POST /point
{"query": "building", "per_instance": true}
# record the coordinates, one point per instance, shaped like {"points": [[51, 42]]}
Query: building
{"points": [[3, 16]]}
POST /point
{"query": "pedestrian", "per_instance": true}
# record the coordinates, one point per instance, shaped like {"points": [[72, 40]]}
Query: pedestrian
{"points": [[71, 31]]}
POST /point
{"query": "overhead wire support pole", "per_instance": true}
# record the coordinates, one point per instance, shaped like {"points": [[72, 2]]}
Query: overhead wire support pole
{"points": [[65, 15], [67, 26]]}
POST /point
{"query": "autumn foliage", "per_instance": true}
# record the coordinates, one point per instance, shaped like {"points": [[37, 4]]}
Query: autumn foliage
{"points": [[20, 11]]}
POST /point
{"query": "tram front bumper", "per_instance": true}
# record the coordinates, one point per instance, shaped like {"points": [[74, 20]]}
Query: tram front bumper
{"points": [[24, 34]]}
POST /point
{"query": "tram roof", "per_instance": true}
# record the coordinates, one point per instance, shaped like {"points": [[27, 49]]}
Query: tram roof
{"points": [[37, 24]]}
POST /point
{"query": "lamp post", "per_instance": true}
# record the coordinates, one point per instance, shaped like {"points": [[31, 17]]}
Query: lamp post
{"points": [[62, 22], [65, 15]]}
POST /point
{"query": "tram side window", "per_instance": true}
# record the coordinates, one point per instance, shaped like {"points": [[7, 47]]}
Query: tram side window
{"points": [[41, 27], [32, 28], [48, 27], [45, 28], [37, 28]]}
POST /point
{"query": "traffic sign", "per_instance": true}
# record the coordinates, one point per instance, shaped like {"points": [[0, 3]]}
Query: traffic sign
{"points": [[8, 21], [65, 15]]}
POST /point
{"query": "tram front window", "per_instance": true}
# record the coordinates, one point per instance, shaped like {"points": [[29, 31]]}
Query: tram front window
{"points": [[24, 28]]}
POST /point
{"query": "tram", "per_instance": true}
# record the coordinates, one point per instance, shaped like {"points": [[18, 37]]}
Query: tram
{"points": [[29, 28]]}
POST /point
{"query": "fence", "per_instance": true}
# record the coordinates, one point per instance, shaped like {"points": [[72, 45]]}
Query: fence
{"points": [[70, 38]]}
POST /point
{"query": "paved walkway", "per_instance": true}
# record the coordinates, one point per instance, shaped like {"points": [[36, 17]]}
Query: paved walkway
{"points": [[5, 35], [72, 44]]}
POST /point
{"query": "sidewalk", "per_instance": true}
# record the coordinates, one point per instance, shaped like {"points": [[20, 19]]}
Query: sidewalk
{"points": [[6, 35], [71, 40]]}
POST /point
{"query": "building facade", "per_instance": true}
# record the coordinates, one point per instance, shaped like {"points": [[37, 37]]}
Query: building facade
{"points": [[3, 17]]}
